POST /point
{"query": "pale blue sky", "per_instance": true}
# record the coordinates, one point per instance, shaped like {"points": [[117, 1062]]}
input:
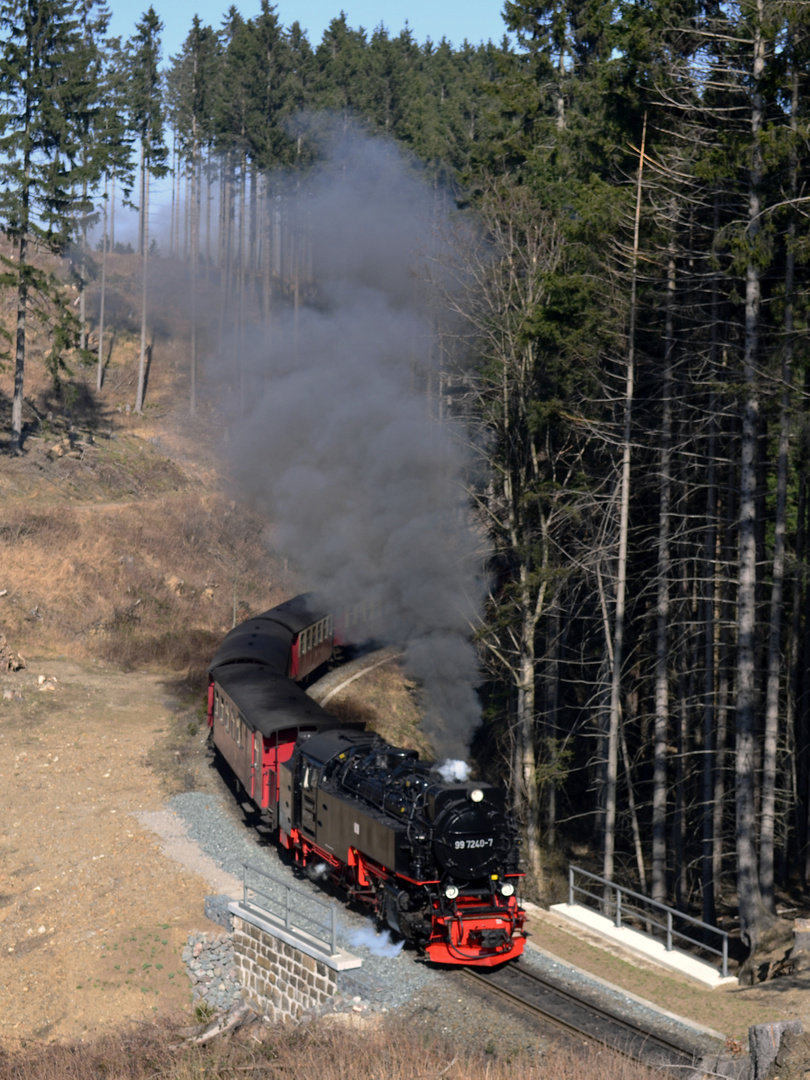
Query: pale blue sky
{"points": [[475, 20]]}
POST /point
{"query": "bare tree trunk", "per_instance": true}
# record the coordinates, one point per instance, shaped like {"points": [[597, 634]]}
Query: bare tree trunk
{"points": [[266, 217], [750, 900], [175, 183], [112, 212], [621, 574], [527, 760], [631, 795], [208, 198], [241, 281], [142, 213], [769, 762], [796, 712], [195, 242], [104, 242], [226, 245], [659, 798], [188, 214], [19, 363], [22, 304], [552, 692], [711, 737], [145, 234], [83, 278], [678, 840], [725, 666]]}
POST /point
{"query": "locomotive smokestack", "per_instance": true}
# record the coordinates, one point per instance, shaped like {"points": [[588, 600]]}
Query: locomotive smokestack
{"points": [[363, 485]]}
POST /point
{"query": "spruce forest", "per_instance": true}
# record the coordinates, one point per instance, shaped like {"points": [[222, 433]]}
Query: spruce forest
{"points": [[626, 342]]}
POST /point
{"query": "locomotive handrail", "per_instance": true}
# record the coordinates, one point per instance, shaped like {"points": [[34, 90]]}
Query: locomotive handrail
{"points": [[281, 910], [619, 891]]}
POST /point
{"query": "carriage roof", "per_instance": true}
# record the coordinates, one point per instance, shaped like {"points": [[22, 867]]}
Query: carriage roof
{"points": [[270, 703], [266, 639], [257, 642]]}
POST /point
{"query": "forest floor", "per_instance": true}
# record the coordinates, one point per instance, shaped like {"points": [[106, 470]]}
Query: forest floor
{"points": [[123, 561]]}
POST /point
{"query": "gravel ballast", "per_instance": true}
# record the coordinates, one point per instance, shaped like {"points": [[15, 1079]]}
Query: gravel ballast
{"points": [[390, 975], [391, 978]]}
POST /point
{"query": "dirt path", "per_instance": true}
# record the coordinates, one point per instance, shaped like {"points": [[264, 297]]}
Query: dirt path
{"points": [[93, 914]]}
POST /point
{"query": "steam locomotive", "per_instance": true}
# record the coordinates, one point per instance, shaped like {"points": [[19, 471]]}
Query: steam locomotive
{"points": [[435, 859]]}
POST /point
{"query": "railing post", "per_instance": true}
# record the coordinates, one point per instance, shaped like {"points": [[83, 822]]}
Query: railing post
{"points": [[725, 956], [570, 885], [669, 930], [334, 929], [618, 919], [244, 884], [287, 906]]}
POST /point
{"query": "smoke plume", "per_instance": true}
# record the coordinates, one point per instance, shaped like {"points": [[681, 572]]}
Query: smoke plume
{"points": [[362, 484]]}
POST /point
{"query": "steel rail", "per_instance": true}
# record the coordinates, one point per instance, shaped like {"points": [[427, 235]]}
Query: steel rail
{"points": [[577, 1016]]}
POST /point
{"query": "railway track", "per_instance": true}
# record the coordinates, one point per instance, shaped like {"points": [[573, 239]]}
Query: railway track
{"points": [[585, 1019]]}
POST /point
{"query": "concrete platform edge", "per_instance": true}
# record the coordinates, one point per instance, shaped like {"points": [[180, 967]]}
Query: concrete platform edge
{"points": [[340, 961], [635, 943]]}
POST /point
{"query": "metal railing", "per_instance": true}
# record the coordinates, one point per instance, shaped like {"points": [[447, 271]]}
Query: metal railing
{"points": [[622, 905], [270, 896]]}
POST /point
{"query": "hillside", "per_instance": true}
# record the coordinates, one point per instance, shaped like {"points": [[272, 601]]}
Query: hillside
{"points": [[124, 558]]}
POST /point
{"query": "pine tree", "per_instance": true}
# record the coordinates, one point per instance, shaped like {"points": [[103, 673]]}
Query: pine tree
{"points": [[93, 18], [112, 132], [44, 105], [145, 109]]}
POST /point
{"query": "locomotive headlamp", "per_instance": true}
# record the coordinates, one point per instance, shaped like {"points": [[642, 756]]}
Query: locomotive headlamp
{"points": [[507, 889], [451, 892], [476, 795]]}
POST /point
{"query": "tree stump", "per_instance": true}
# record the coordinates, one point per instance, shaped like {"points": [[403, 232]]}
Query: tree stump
{"points": [[765, 1042], [800, 953]]}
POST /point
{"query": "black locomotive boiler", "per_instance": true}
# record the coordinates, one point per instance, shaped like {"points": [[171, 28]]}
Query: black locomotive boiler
{"points": [[435, 859]]}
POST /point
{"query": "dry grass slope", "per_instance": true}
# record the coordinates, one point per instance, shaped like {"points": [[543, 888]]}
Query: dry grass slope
{"points": [[156, 581], [390, 1051]]}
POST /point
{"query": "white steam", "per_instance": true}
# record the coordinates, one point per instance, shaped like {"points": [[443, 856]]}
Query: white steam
{"points": [[377, 943], [363, 486], [451, 771]]}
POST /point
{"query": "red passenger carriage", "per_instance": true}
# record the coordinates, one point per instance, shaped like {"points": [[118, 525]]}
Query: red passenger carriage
{"points": [[436, 860]]}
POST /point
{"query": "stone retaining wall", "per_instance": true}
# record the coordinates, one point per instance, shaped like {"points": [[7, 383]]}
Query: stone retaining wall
{"points": [[279, 980]]}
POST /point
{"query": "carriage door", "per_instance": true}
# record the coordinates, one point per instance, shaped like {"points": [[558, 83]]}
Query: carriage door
{"points": [[310, 775]]}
